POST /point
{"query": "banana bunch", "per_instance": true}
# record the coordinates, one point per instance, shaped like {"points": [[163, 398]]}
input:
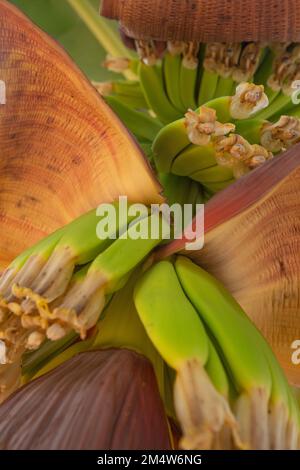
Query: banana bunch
{"points": [[62, 284], [187, 75], [258, 117], [204, 145], [229, 390]]}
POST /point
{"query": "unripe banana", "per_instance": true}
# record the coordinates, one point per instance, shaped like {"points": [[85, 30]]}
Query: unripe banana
{"points": [[178, 334], [171, 70], [173, 138], [126, 91], [225, 87], [208, 86], [189, 75], [262, 409], [194, 158], [141, 124], [151, 78]]}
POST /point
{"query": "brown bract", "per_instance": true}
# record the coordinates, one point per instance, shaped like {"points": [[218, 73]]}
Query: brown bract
{"points": [[252, 245], [63, 151], [207, 21], [96, 400]]}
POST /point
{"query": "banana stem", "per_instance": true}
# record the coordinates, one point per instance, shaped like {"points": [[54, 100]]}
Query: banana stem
{"points": [[104, 34]]}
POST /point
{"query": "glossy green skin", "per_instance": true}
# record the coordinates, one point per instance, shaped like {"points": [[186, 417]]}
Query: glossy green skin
{"points": [[43, 248], [169, 142], [81, 236], [250, 129], [216, 371], [169, 318], [187, 84], [225, 87], [193, 158], [142, 125], [214, 174], [171, 70], [151, 79], [128, 251], [208, 86], [235, 334], [173, 139]]}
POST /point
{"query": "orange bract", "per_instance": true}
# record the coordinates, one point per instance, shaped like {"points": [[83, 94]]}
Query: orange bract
{"points": [[63, 151]]}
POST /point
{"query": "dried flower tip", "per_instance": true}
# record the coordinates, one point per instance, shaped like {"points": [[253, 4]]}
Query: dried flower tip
{"points": [[229, 59], [285, 67], [190, 55], [146, 51], [35, 340], [281, 135], [212, 54], [203, 125], [248, 100], [231, 149], [33, 321], [104, 88], [288, 87], [251, 411], [116, 64], [259, 157], [279, 47], [175, 47], [201, 409], [56, 332], [248, 63]]}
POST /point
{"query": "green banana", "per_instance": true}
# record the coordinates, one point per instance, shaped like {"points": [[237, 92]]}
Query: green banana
{"points": [[213, 174], [180, 190], [208, 86], [263, 405], [141, 124], [194, 158], [178, 334], [263, 73], [80, 305], [188, 76], [151, 79], [173, 138], [225, 87], [127, 92], [171, 71]]}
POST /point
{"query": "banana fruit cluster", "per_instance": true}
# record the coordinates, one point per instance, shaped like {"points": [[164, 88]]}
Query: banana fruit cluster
{"points": [[63, 282], [248, 85], [229, 391]]}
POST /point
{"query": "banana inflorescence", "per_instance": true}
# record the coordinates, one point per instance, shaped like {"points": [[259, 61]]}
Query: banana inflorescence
{"points": [[229, 390], [249, 87]]}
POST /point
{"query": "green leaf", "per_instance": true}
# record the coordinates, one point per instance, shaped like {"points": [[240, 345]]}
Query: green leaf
{"points": [[61, 21]]}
